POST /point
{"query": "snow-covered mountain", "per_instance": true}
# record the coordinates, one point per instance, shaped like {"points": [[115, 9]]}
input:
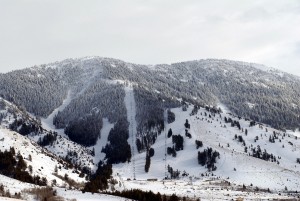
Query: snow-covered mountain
{"points": [[230, 126], [274, 167], [251, 90]]}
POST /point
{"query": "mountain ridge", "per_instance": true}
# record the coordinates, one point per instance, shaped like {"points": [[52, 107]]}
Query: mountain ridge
{"points": [[100, 58], [209, 77]]}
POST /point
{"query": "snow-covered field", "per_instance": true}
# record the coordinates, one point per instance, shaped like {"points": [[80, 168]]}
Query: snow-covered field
{"points": [[79, 196], [16, 186], [203, 189]]}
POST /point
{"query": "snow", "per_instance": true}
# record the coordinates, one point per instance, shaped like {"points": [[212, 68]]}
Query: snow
{"points": [[79, 196], [43, 162], [63, 144], [8, 118], [156, 91], [13, 185], [87, 58], [205, 190], [102, 141], [8, 199], [294, 133], [16, 186], [183, 80], [261, 84], [262, 67], [47, 123], [250, 105], [224, 108], [211, 132], [131, 114], [294, 105]]}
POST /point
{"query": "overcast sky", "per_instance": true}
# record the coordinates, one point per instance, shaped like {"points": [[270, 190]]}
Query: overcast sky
{"points": [[150, 31]]}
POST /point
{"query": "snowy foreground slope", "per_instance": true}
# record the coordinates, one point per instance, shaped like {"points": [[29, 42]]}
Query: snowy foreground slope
{"points": [[43, 164], [60, 147], [16, 186], [234, 166], [42, 161]]}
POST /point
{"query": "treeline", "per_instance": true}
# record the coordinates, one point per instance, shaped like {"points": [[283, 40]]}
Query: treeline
{"points": [[137, 194], [15, 167], [117, 149], [177, 141], [22, 123], [39, 90], [19, 120], [23, 127], [149, 117], [85, 130], [264, 155], [171, 116], [82, 118], [99, 181], [105, 99], [208, 158], [174, 174], [144, 142], [149, 154], [48, 139]]}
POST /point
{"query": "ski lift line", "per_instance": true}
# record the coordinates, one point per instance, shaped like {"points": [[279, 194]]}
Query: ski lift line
{"points": [[132, 136], [165, 120]]}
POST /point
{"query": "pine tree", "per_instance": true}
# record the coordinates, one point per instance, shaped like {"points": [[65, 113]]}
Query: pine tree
{"points": [[170, 133]]}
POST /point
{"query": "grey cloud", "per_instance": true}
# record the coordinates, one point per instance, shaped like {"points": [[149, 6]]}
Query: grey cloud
{"points": [[149, 32]]}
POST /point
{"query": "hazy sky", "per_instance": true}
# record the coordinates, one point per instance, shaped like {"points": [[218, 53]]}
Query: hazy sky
{"points": [[150, 31]]}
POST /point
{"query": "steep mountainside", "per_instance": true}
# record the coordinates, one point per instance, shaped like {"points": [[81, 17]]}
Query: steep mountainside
{"points": [[15, 119], [248, 90]]}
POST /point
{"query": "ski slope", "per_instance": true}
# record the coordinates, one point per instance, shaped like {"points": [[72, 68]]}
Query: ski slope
{"points": [[131, 114], [47, 123], [101, 142], [234, 166]]}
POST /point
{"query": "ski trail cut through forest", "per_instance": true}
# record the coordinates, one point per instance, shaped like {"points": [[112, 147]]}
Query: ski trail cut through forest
{"points": [[131, 114], [48, 122], [102, 141]]}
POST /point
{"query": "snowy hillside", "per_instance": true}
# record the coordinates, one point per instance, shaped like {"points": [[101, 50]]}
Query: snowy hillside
{"points": [[98, 124], [38, 130], [234, 165], [42, 162]]}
